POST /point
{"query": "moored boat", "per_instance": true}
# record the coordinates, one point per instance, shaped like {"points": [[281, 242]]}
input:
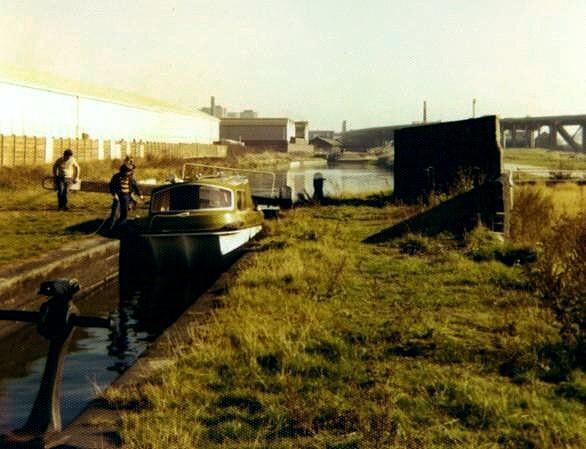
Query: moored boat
{"points": [[193, 224]]}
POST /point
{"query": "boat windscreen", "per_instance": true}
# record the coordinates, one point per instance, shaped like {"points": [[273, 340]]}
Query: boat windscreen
{"points": [[190, 197]]}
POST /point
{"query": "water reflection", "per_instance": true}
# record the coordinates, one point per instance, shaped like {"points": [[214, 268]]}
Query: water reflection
{"points": [[96, 357]]}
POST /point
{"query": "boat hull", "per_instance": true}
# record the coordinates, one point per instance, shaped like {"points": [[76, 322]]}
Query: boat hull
{"points": [[159, 253]]}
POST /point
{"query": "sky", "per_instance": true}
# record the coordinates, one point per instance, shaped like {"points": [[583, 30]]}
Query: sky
{"points": [[371, 62]]}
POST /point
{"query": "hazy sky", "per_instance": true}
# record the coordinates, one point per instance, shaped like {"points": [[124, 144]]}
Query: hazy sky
{"points": [[372, 62]]}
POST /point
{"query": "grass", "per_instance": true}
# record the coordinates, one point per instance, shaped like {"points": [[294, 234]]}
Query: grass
{"points": [[325, 342], [30, 222], [540, 157]]}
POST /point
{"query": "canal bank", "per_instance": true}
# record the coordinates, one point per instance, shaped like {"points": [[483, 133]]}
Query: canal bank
{"points": [[325, 341]]}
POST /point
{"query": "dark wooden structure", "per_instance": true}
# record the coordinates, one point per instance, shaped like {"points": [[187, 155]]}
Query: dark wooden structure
{"points": [[435, 158]]}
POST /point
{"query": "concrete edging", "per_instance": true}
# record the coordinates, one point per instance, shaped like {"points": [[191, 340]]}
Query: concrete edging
{"points": [[90, 261], [98, 426]]}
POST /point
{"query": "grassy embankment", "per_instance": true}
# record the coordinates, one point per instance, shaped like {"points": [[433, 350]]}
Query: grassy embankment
{"points": [[325, 342], [31, 224], [540, 157]]}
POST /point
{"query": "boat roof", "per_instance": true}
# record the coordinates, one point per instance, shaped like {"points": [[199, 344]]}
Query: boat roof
{"points": [[230, 182]]}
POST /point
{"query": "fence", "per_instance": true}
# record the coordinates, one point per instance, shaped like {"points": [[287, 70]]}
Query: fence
{"points": [[83, 149], [31, 150], [21, 150]]}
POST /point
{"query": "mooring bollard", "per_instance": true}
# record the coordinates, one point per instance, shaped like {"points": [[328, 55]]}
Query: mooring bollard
{"points": [[55, 321], [318, 187]]}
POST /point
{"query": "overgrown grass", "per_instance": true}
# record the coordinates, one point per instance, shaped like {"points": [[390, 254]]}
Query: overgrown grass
{"points": [[325, 342], [539, 206], [560, 277]]}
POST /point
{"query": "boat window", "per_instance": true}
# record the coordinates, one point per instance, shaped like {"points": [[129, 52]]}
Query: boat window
{"points": [[191, 197], [241, 201]]}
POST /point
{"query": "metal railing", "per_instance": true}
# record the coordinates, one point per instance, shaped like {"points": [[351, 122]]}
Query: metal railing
{"points": [[256, 185]]}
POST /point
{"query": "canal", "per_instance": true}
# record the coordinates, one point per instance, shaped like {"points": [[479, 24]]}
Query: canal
{"points": [[342, 179], [97, 357]]}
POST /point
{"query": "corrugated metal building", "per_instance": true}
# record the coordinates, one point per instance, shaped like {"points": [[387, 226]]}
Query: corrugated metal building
{"points": [[49, 107]]}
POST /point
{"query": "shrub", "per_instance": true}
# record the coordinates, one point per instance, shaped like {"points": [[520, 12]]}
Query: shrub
{"points": [[560, 279], [482, 244], [532, 215]]}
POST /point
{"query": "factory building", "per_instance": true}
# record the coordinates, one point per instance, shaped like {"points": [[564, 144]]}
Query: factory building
{"points": [[49, 108], [278, 134]]}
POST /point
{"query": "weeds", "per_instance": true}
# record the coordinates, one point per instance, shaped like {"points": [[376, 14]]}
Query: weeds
{"points": [[560, 277], [533, 215]]}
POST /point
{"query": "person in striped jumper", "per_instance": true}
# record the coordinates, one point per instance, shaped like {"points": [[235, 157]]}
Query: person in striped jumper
{"points": [[122, 185]]}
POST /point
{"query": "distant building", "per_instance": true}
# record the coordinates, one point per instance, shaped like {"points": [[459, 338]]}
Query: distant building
{"points": [[321, 133], [325, 144], [302, 131], [232, 115], [248, 113], [219, 111], [276, 134]]}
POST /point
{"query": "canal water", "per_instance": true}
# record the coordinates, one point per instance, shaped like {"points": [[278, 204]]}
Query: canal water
{"points": [[343, 179], [96, 357]]}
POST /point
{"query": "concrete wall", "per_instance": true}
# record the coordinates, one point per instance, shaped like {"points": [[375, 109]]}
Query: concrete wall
{"points": [[434, 157]]}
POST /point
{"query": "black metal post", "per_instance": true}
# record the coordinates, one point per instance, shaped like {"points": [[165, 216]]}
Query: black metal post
{"points": [[55, 321]]}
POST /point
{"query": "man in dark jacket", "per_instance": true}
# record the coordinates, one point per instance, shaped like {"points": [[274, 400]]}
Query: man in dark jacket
{"points": [[122, 185]]}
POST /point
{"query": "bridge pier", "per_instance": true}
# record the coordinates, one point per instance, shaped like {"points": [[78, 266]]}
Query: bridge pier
{"points": [[553, 136], [513, 136], [529, 137], [583, 125]]}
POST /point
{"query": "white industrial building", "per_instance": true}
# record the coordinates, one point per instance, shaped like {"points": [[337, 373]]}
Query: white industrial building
{"points": [[45, 106]]}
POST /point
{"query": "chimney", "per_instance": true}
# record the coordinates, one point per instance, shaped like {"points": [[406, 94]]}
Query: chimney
{"points": [[344, 126], [424, 111], [213, 106]]}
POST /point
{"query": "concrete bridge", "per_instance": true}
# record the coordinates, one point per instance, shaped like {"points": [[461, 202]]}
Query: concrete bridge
{"points": [[528, 131], [515, 132]]}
